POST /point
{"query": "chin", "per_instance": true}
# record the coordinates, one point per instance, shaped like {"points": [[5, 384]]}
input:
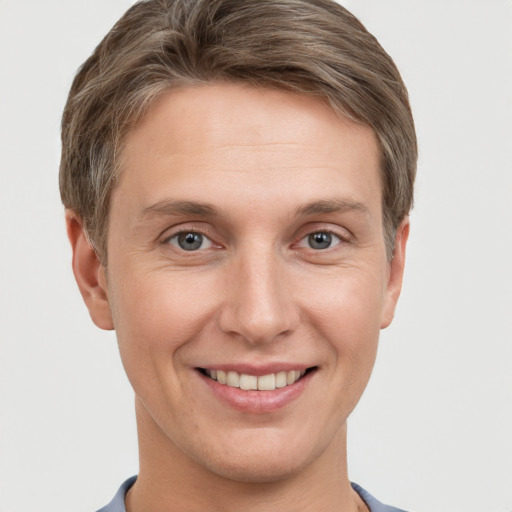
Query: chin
{"points": [[256, 470], [264, 460]]}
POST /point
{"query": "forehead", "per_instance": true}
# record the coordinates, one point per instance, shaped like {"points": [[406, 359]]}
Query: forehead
{"points": [[262, 141]]}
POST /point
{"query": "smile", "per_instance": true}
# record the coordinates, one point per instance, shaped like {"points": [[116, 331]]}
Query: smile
{"points": [[258, 390], [248, 382]]}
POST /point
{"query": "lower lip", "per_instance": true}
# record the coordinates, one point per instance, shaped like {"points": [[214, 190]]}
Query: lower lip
{"points": [[257, 402]]}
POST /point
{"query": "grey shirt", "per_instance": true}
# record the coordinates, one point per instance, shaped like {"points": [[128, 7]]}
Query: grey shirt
{"points": [[117, 504]]}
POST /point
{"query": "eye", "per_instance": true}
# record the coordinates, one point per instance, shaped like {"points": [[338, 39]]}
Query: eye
{"points": [[190, 241], [320, 240]]}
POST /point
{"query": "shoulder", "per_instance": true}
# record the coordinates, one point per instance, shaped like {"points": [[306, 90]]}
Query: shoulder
{"points": [[117, 503], [372, 503]]}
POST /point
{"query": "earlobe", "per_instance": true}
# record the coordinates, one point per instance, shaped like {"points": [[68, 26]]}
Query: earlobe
{"points": [[89, 273], [396, 273]]}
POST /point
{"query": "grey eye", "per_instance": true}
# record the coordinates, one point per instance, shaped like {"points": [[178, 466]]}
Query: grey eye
{"points": [[320, 240], [190, 241]]}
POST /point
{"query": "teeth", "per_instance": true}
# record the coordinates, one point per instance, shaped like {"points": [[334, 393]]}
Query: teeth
{"points": [[267, 382], [263, 383], [292, 376], [281, 380], [233, 379], [248, 382]]}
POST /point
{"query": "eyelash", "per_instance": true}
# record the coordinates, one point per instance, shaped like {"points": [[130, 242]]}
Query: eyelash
{"points": [[331, 237], [186, 233], [304, 241]]}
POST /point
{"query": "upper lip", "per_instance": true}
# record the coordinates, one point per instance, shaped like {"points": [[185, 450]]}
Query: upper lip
{"points": [[257, 369]]}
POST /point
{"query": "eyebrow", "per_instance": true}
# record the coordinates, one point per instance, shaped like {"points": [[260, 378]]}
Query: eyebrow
{"points": [[170, 207], [176, 207], [332, 206]]}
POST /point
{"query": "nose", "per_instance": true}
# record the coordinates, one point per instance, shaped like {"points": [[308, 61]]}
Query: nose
{"points": [[258, 305]]}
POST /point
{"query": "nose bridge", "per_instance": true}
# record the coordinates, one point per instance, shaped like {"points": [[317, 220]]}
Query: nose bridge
{"points": [[258, 306]]}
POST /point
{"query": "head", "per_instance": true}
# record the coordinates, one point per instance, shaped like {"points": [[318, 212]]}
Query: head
{"points": [[238, 176], [316, 48]]}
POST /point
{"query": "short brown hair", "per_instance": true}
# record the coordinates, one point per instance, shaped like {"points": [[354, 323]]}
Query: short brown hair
{"points": [[313, 47]]}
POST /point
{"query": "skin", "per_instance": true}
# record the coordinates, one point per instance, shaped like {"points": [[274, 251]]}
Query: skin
{"points": [[272, 168]]}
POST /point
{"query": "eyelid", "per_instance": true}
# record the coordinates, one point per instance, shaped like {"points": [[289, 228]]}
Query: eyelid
{"points": [[205, 239], [303, 241], [344, 234], [192, 227]]}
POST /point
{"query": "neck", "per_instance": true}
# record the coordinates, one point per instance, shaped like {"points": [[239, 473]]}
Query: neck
{"points": [[171, 480]]}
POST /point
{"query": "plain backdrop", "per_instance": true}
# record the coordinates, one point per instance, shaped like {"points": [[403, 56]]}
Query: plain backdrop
{"points": [[433, 431]]}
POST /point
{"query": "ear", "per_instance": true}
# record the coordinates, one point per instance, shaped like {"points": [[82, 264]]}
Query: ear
{"points": [[396, 274], [89, 273]]}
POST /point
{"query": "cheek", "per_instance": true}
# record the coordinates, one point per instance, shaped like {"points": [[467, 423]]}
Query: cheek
{"points": [[347, 315], [155, 316], [161, 308], [347, 304]]}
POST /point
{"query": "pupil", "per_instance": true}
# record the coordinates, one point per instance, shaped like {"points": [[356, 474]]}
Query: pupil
{"points": [[190, 241], [320, 240]]}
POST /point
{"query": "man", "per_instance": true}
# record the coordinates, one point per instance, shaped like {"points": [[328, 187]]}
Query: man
{"points": [[237, 177]]}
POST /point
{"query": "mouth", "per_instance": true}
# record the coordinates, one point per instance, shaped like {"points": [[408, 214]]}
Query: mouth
{"points": [[247, 382]]}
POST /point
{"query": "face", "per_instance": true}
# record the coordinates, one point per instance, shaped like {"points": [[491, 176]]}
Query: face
{"points": [[247, 276]]}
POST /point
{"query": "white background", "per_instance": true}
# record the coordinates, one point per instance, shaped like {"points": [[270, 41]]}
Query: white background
{"points": [[434, 429]]}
